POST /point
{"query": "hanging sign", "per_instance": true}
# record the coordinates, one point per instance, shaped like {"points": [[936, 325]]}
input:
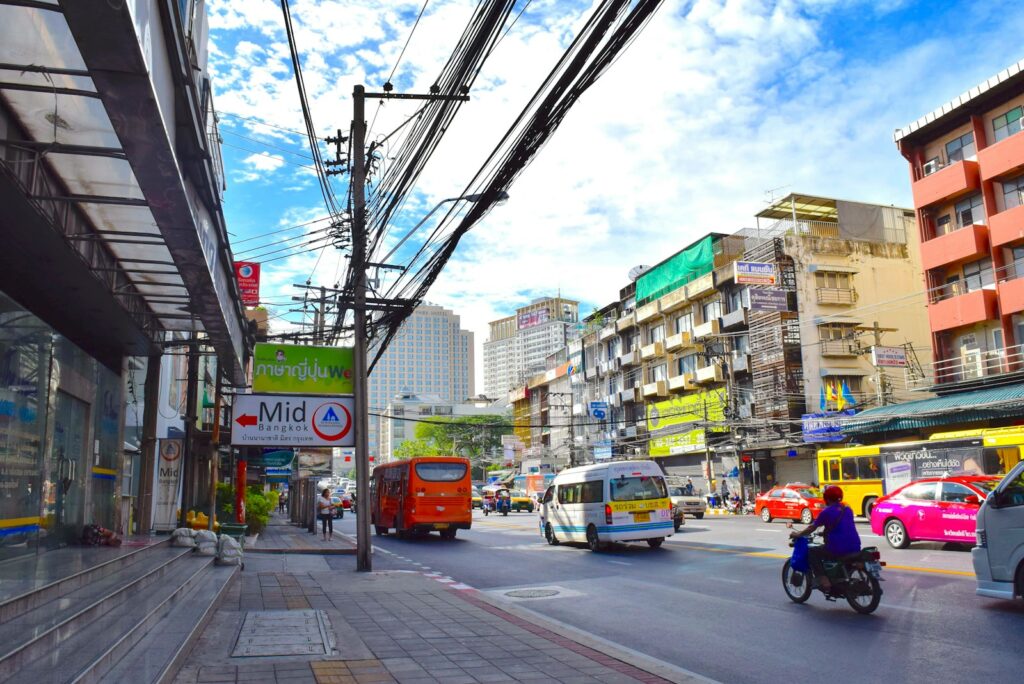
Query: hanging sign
{"points": [[888, 357], [168, 483], [302, 369], [292, 420], [248, 275], [753, 273], [768, 299]]}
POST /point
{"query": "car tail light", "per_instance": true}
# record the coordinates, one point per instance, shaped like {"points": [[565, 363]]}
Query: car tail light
{"points": [[608, 514]]}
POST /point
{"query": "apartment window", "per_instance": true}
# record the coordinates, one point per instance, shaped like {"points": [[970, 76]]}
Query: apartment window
{"points": [[684, 323], [960, 148], [944, 225], [978, 274], [633, 341], [657, 334], [832, 281], [1013, 193], [1007, 124], [712, 310], [657, 373], [833, 332], [738, 299], [741, 344], [686, 364], [970, 211], [1016, 266]]}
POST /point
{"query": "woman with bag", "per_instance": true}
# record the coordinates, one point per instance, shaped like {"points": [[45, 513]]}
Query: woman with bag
{"points": [[326, 515]]}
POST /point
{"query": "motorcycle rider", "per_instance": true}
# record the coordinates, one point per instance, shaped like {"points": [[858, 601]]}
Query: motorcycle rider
{"points": [[841, 538]]}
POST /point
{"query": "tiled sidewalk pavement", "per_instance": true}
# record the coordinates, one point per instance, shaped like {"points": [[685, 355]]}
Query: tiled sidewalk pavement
{"points": [[281, 536], [392, 627]]}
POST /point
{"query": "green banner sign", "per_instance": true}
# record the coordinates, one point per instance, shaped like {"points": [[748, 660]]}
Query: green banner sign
{"points": [[668, 422], [302, 370]]}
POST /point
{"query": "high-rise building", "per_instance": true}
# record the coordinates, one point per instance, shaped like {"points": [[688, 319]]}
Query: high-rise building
{"points": [[518, 346], [400, 418], [430, 355], [967, 176]]}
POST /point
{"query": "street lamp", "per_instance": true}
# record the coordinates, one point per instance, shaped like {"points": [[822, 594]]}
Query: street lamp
{"points": [[502, 197]]}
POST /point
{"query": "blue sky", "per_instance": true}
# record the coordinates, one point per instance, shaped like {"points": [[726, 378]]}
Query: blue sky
{"points": [[716, 103]]}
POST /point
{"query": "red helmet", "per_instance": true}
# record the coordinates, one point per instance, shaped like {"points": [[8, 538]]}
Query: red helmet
{"points": [[832, 494]]}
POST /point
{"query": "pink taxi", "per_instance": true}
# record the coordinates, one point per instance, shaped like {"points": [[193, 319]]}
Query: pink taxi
{"points": [[932, 509]]}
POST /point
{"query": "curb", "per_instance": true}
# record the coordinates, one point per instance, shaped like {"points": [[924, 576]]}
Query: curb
{"points": [[605, 652]]}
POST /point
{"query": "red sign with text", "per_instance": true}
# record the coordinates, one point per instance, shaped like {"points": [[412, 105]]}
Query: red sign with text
{"points": [[248, 275]]}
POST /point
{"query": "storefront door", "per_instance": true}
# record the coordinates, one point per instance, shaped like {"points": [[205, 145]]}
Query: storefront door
{"points": [[66, 472]]}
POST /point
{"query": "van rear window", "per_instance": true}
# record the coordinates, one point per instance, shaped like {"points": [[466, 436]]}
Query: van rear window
{"points": [[441, 472], [638, 488]]}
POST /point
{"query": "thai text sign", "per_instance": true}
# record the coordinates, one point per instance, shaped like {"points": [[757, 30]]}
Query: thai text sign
{"points": [[289, 420], [248, 275], [889, 357], [768, 299], [532, 318], [302, 370], [677, 425], [824, 427], [753, 273], [168, 483]]}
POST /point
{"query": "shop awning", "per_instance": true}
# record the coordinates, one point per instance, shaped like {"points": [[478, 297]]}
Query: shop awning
{"points": [[992, 403]]}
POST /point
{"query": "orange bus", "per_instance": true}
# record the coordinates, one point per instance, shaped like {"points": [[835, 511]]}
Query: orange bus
{"points": [[419, 495]]}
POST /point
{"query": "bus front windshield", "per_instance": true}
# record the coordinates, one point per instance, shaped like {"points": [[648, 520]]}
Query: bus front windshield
{"points": [[638, 488]]}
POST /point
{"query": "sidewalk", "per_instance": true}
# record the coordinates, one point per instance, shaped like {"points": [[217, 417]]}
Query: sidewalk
{"points": [[281, 536], [295, 619]]}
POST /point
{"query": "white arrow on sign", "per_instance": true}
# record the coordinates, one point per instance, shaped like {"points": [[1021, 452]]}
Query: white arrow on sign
{"points": [[292, 420]]}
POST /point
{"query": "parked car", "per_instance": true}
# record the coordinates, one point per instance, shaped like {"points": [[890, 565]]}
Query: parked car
{"points": [[684, 503], [932, 509], [477, 497], [521, 501], [795, 501], [998, 554]]}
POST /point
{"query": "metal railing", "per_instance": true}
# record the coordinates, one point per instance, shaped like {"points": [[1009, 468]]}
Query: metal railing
{"points": [[972, 364], [837, 348], [824, 229], [979, 281], [836, 295]]}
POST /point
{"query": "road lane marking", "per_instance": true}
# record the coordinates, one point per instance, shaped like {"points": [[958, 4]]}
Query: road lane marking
{"points": [[619, 562]]}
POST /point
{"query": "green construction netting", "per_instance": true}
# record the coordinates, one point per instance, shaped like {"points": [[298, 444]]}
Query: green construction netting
{"points": [[689, 264]]}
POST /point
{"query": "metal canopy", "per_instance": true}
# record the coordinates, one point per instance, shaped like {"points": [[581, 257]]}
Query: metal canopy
{"points": [[75, 77], [804, 207]]}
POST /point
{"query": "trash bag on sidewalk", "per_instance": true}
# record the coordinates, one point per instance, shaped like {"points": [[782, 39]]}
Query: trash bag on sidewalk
{"points": [[185, 537], [206, 542], [799, 560], [229, 551]]}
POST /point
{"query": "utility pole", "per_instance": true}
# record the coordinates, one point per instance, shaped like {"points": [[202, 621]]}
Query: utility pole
{"points": [[882, 393]]}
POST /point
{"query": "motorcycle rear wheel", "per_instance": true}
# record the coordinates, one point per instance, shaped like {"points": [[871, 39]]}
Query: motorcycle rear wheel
{"points": [[863, 603], [800, 592]]}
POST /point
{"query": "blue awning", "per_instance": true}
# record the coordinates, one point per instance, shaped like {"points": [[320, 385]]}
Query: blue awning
{"points": [[992, 403]]}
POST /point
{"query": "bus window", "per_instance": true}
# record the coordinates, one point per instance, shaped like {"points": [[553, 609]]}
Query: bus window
{"points": [[869, 467], [833, 470], [849, 469]]}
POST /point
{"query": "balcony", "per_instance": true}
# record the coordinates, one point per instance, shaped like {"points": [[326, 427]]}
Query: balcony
{"points": [[678, 341], [701, 286], [836, 348], [590, 372], [609, 366], [652, 350], [836, 295], [708, 374], [706, 329], [734, 319], [606, 332], [1006, 226], [946, 184], [969, 366], [648, 311], [658, 388], [1011, 296], [614, 399], [626, 322], [741, 363], [963, 244], [673, 300], [680, 383], [630, 395], [630, 358], [963, 309], [1004, 158]]}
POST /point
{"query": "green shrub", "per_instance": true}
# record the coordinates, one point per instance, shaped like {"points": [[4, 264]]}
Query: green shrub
{"points": [[257, 509]]}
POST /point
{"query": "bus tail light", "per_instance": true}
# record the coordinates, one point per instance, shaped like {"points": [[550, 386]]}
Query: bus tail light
{"points": [[608, 514]]}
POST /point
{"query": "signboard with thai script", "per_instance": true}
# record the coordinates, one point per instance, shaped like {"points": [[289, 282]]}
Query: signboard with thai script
{"points": [[889, 357], [769, 299], [532, 318], [301, 369], [289, 420], [824, 427], [677, 425], [753, 273], [248, 275]]}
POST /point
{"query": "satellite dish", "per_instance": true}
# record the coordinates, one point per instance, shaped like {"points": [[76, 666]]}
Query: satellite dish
{"points": [[637, 271]]}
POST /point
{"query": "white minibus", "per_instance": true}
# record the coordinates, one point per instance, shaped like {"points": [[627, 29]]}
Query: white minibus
{"points": [[608, 502]]}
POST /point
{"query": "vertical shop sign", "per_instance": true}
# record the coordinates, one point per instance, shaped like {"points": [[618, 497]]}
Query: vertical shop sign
{"points": [[168, 483]]}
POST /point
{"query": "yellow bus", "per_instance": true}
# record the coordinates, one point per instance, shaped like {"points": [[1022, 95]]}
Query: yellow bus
{"points": [[867, 472]]}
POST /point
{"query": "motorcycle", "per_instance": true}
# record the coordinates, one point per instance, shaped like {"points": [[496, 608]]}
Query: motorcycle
{"points": [[856, 577]]}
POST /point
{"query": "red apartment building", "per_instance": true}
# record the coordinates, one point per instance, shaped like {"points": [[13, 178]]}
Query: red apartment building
{"points": [[967, 174]]}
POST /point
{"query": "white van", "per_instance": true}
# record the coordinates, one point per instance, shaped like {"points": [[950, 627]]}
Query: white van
{"points": [[607, 502], [999, 554]]}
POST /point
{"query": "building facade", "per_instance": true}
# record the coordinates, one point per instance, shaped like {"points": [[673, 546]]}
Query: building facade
{"points": [[404, 411], [431, 355], [518, 346]]}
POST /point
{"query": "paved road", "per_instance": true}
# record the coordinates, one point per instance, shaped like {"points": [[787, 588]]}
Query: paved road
{"points": [[711, 601]]}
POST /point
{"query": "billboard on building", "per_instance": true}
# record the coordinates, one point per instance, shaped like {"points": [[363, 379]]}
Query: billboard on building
{"points": [[248, 275], [532, 318], [300, 369], [824, 427], [754, 273], [676, 425], [768, 299]]}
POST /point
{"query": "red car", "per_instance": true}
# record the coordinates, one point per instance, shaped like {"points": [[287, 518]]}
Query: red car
{"points": [[940, 509], [795, 501]]}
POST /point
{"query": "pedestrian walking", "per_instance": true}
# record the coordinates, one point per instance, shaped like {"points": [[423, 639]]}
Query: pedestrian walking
{"points": [[326, 515], [282, 501]]}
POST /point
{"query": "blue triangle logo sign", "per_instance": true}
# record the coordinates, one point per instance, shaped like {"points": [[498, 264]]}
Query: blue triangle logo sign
{"points": [[330, 416]]}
